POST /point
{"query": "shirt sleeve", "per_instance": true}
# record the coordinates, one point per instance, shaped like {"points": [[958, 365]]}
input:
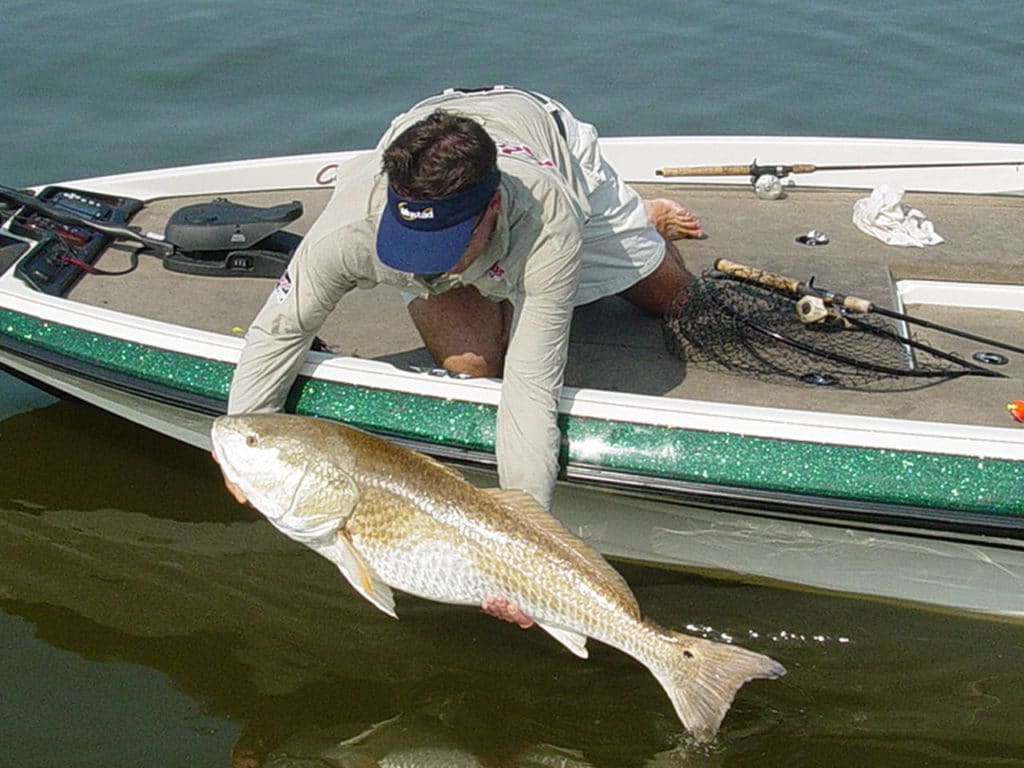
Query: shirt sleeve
{"points": [[528, 437], [283, 331]]}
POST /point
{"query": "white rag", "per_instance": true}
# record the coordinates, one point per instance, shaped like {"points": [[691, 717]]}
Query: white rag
{"points": [[883, 216]]}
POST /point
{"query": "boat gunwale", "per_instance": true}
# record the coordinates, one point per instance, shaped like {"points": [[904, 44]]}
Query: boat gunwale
{"points": [[637, 158], [594, 441], [824, 427]]}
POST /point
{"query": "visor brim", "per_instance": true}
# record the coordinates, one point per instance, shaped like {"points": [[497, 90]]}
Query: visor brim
{"points": [[422, 251]]}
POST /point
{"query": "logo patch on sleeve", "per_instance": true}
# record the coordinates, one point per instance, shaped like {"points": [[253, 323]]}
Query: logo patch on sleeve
{"points": [[283, 287]]}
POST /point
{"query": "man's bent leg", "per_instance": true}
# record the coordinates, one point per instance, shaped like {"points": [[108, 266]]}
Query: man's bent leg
{"points": [[653, 293], [464, 331]]}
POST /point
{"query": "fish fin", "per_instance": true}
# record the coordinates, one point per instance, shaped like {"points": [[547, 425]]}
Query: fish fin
{"points": [[441, 465], [574, 641], [352, 566], [513, 497], [525, 507], [702, 677]]}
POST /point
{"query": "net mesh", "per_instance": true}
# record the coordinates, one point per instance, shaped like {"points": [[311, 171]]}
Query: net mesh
{"points": [[747, 329]]}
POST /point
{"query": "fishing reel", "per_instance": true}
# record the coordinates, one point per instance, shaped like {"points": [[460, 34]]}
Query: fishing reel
{"points": [[769, 180], [813, 309], [767, 186]]}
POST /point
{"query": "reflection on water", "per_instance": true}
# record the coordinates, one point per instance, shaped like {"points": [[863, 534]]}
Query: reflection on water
{"points": [[71, 696], [18, 397], [160, 618]]}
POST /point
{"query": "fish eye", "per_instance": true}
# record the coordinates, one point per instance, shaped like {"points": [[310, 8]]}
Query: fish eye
{"points": [[252, 441]]}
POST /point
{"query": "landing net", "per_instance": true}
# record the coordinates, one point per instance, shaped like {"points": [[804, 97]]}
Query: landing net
{"points": [[745, 328]]}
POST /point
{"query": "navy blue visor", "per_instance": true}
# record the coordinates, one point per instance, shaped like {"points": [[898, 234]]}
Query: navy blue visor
{"points": [[429, 236]]}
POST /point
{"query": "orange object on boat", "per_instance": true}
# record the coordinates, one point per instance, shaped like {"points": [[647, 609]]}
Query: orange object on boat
{"points": [[1016, 409]]}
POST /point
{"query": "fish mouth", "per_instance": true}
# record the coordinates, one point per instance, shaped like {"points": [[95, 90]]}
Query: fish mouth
{"points": [[217, 440], [220, 435]]}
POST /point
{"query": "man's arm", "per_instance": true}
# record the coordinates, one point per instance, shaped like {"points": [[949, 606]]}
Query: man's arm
{"points": [[528, 437], [281, 334]]}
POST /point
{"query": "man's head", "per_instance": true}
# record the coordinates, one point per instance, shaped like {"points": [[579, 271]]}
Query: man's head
{"points": [[442, 172]]}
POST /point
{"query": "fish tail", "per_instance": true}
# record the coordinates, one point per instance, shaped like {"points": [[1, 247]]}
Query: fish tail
{"points": [[702, 677]]}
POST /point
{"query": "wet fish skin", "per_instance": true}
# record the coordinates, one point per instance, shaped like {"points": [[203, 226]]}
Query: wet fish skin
{"points": [[390, 518]]}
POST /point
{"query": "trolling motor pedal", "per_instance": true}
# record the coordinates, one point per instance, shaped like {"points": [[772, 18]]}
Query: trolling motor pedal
{"points": [[222, 238]]}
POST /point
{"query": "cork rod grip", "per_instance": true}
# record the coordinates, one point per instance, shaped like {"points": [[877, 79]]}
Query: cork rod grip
{"points": [[705, 170], [857, 305], [743, 272], [735, 170]]}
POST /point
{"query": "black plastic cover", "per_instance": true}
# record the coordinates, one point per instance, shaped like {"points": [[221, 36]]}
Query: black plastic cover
{"points": [[222, 225]]}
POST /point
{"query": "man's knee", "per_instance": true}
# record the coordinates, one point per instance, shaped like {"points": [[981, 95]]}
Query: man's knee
{"points": [[464, 332], [474, 364]]}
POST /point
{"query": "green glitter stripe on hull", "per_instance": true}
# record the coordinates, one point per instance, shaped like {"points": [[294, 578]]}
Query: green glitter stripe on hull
{"points": [[187, 373], [841, 472], [423, 418], [961, 483]]}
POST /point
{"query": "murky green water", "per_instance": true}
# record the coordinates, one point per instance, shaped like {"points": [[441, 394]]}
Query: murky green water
{"points": [[148, 619]]}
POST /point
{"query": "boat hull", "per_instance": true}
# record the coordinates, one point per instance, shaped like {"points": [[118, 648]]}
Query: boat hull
{"points": [[759, 543]]}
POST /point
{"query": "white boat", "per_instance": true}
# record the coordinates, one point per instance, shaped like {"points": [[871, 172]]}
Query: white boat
{"points": [[912, 490]]}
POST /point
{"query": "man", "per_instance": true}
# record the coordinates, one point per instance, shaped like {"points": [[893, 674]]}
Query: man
{"points": [[495, 214]]}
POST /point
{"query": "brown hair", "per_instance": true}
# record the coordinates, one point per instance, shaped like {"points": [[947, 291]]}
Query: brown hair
{"points": [[439, 156]]}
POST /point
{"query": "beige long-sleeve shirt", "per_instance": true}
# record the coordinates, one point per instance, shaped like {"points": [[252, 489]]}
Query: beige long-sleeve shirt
{"points": [[532, 259]]}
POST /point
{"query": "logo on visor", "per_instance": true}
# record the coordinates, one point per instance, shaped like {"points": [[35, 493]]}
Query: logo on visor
{"points": [[408, 215]]}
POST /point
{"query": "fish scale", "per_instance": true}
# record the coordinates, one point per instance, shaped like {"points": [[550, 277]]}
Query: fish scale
{"points": [[412, 551]]}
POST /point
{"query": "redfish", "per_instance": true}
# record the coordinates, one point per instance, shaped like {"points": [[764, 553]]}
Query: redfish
{"points": [[391, 518]]}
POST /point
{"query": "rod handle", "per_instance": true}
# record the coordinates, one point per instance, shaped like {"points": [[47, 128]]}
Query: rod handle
{"points": [[754, 275], [735, 170], [705, 170], [792, 285], [855, 304]]}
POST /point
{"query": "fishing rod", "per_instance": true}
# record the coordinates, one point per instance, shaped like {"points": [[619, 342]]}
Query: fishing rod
{"points": [[755, 171], [67, 217], [852, 303]]}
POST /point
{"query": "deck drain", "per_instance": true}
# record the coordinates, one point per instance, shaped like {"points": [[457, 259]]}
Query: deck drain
{"points": [[990, 358], [814, 237]]}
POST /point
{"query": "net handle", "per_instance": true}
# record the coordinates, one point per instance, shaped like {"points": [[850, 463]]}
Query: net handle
{"points": [[790, 285]]}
